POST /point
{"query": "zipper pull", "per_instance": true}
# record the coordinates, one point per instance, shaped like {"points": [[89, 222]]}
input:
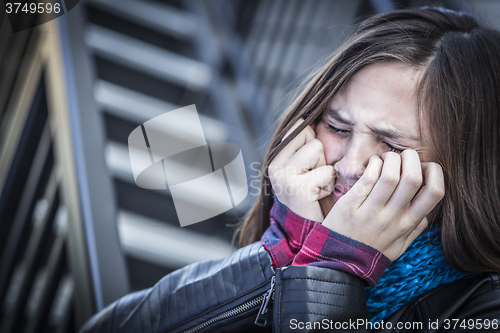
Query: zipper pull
{"points": [[263, 314]]}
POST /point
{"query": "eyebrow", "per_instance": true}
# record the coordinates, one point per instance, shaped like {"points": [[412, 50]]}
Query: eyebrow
{"points": [[392, 134], [336, 115], [387, 133]]}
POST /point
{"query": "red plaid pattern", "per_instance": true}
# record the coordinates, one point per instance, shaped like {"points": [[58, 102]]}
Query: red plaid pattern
{"points": [[294, 240]]}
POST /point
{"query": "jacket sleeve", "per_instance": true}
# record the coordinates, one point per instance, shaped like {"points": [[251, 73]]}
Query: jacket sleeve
{"points": [[318, 299], [200, 292], [108, 319], [190, 295]]}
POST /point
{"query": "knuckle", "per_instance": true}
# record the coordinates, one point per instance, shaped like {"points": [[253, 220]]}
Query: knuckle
{"points": [[317, 145], [437, 192], [434, 167], [375, 159], [329, 169], [413, 179], [328, 177], [369, 178], [390, 179]]}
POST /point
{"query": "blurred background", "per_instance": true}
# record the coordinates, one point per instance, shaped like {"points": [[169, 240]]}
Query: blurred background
{"points": [[76, 233]]}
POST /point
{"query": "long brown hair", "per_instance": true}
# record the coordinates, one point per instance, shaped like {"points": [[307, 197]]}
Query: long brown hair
{"points": [[459, 101]]}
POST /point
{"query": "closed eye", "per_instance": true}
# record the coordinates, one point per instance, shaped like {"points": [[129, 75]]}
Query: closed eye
{"points": [[336, 130], [393, 149]]}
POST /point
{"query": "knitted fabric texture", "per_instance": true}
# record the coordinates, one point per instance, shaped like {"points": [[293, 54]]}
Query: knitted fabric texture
{"points": [[420, 268]]}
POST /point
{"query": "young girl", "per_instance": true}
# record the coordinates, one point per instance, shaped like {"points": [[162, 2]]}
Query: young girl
{"points": [[380, 202]]}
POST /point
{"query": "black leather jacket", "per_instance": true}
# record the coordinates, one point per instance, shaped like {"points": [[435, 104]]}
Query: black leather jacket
{"points": [[230, 295]]}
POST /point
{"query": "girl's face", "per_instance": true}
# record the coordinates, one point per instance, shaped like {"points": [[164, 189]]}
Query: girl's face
{"points": [[373, 113]]}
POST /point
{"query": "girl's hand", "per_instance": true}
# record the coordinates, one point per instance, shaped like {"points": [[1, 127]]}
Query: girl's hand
{"points": [[299, 174], [387, 207]]}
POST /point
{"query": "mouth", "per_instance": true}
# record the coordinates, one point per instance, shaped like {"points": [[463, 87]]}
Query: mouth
{"points": [[339, 191]]}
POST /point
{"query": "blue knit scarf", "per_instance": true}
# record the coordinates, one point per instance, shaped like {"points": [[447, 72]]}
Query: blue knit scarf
{"points": [[420, 268]]}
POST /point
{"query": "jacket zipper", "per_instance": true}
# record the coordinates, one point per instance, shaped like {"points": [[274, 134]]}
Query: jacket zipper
{"points": [[263, 315], [253, 303]]}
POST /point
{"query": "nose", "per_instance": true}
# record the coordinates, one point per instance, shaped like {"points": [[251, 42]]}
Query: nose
{"points": [[355, 159]]}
